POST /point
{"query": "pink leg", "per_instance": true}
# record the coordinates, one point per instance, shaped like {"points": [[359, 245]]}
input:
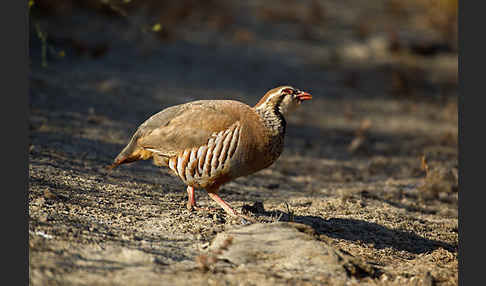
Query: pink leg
{"points": [[191, 201], [227, 208], [191, 198]]}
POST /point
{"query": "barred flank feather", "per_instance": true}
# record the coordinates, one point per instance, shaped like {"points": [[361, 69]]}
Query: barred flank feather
{"points": [[203, 161]]}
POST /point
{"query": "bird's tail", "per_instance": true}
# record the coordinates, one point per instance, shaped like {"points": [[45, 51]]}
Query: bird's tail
{"points": [[132, 152], [120, 159], [115, 164]]}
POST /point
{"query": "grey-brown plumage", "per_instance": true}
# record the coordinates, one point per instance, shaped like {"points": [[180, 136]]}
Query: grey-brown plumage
{"points": [[207, 143]]}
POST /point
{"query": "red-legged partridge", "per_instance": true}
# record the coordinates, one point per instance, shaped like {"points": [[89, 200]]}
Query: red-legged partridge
{"points": [[207, 143]]}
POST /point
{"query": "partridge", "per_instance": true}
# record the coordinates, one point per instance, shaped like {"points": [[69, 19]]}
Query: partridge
{"points": [[207, 143]]}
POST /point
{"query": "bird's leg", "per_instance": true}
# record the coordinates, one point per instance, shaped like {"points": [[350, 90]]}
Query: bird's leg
{"points": [[227, 208], [191, 199]]}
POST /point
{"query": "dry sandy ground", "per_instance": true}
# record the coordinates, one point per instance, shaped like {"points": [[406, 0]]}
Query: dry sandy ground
{"points": [[352, 200]]}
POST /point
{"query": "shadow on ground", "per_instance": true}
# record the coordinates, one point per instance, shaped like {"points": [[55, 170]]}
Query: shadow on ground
{"points": [[364, 232]]}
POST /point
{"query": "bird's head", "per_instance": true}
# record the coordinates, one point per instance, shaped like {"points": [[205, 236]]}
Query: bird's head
{"points": [[283, 99]]}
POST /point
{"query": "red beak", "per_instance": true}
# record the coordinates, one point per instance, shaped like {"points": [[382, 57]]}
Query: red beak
{"points": [[304, 95]]}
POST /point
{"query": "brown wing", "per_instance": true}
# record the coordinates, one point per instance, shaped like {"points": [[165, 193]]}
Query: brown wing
{"points": [[185, 126]]}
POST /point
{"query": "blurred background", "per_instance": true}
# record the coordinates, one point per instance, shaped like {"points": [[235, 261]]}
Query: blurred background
{"points": [[391, 48]]}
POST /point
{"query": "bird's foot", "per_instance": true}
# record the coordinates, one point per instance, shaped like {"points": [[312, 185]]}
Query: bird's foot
{"points": [[244, 219], [194, 207]]}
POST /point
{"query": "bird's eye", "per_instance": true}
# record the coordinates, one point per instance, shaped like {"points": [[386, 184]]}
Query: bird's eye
{"points": [[288, 91]]}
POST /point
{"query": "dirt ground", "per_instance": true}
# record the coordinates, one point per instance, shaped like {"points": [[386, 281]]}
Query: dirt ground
{"points": [[365, 192]]}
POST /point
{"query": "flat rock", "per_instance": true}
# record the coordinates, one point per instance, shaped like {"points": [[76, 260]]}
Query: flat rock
{"points": [[285, 248]]}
